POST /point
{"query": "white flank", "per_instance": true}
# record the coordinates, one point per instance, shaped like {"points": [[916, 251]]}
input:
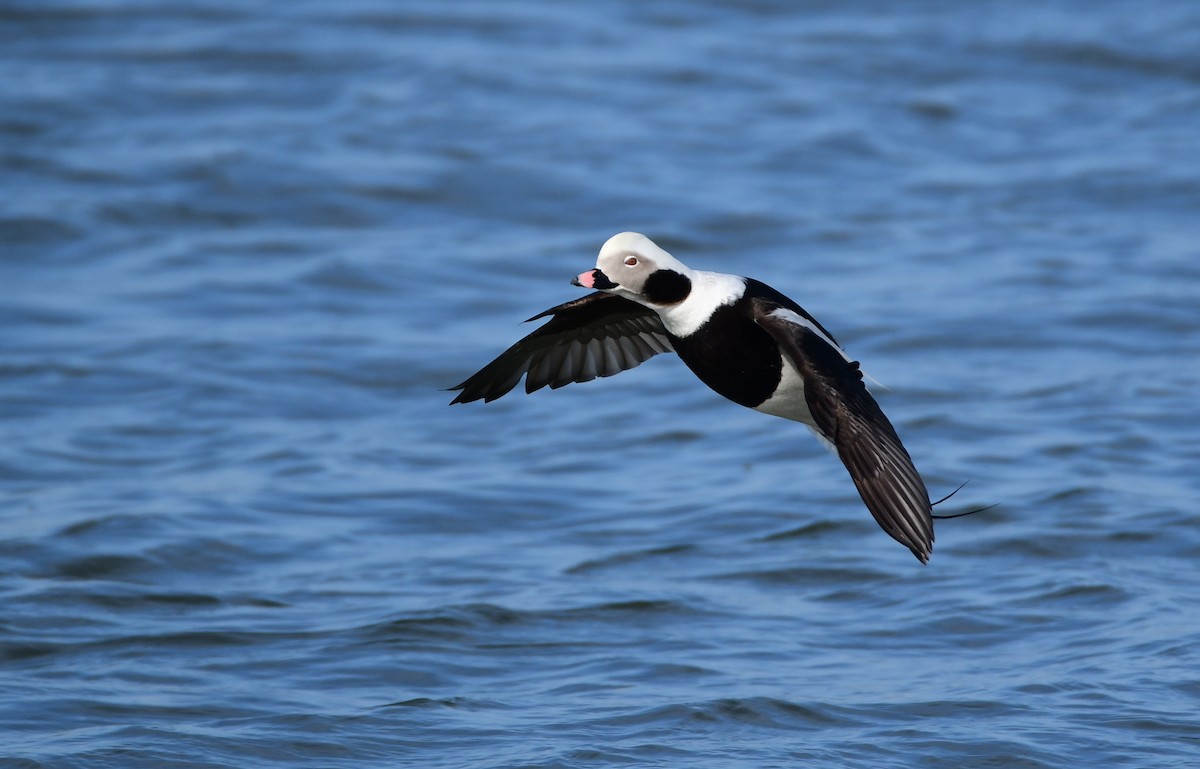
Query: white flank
{"points": [[788, 400]]}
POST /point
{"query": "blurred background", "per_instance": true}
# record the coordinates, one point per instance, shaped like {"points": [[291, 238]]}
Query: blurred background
{"points": [[246, 246]]}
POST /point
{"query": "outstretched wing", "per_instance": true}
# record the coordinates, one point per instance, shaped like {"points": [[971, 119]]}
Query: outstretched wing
{"points": [[596, 336], [852, 421]]}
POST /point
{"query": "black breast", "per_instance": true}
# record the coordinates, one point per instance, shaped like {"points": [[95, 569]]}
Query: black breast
{"points": [[733, 355]]}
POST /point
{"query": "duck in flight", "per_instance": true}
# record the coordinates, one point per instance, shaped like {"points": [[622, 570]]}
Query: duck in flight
{"points": [[743, 339]]}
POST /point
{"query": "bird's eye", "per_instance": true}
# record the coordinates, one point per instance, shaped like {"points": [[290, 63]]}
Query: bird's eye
{"points": [[631, 261]]}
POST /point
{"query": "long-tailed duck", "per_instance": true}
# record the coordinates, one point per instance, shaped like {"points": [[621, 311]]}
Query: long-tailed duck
{"points": [[742, 338]]}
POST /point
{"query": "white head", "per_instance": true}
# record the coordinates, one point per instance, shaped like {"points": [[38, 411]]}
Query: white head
{"points": [[632, 265]]}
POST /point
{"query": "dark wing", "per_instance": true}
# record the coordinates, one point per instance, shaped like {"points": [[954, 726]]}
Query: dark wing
{"points": [[596, 336], [852, 421]]}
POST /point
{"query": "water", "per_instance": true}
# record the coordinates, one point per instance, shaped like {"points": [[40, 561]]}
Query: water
{"points": [[246, 246]]}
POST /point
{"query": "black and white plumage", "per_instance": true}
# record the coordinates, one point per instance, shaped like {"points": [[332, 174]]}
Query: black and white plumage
{"points": [[743, 339]]}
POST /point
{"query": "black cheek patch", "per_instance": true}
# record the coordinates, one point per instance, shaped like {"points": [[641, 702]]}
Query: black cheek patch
{"points": [[666, 287]]}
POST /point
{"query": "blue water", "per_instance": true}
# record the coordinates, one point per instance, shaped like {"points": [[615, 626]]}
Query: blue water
{"points": [[245, 247]]}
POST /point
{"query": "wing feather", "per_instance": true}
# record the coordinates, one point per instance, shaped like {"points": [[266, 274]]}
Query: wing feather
{"points": [[598, 335], [848, 417]]}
